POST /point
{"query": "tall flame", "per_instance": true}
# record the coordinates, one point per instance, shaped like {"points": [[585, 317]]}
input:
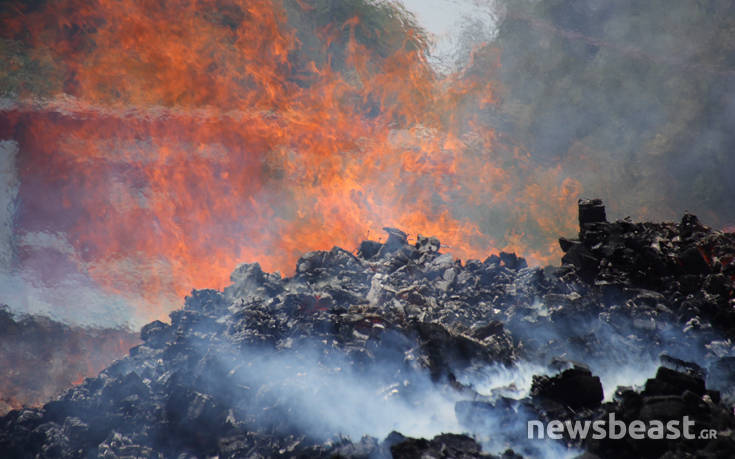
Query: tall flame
{"points": [[179, 138]]}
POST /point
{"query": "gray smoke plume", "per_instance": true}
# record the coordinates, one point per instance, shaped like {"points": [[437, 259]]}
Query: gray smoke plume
{"points": [[633, 99]]}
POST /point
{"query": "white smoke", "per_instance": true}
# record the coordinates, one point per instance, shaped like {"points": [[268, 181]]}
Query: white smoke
{"points": [[8, 197], [72, 297]]}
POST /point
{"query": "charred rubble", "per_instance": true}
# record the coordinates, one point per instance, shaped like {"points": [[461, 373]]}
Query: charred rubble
{"points": [[42, 357], [290, 367]]}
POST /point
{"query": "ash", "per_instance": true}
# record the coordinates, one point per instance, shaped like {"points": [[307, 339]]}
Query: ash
{"points": [[400, 350]]}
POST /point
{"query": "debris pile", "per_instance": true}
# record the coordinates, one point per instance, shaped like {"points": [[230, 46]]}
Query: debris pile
{"points": [[686, 268], [361, 355], [41, 357]]}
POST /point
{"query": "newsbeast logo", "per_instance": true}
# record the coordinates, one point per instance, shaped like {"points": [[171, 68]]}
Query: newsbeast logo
{"points": [[615, 429]]}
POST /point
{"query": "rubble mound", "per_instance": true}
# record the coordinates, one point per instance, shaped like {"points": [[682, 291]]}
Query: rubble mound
{"points": [[690, 267], [362, 355], [41, 357]]}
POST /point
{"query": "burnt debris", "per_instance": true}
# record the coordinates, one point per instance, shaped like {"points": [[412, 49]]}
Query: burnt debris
{"points": [[40, 357], [358, 355]]}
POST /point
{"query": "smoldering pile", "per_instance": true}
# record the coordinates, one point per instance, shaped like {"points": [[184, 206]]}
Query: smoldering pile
{"points": [[42, 357], [401, 341]]}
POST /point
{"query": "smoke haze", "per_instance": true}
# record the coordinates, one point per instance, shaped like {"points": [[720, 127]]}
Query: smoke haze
{"points": [[130, 189]]}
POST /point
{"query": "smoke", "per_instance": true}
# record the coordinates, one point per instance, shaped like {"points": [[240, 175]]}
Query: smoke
{"points": [[326, 395], [141, 166], [320, 392], [334, 119], [8, 197], [502, 422], [39, 270], [634, 100], [42, 357], [621, 350]]}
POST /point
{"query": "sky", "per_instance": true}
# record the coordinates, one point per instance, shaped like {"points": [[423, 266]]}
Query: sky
{"points": [[443, 20]]}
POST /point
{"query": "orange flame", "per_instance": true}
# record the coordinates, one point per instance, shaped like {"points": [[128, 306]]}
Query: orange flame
{"points": [[188, 136]]}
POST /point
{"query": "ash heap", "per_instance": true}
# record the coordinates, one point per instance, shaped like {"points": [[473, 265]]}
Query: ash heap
{"points": [[400, 350]]}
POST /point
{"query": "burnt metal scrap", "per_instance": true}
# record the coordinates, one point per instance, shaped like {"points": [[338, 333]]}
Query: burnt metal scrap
{"points": [[297, 366]]}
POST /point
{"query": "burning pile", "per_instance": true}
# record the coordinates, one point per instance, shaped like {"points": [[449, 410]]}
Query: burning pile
{"points": [[157, 144], [355, 348]]}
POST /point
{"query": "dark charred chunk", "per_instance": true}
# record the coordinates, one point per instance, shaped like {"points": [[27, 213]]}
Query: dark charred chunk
{"points": [[575, 388], [591, 211], [441, 446], [672, 382], [368, 249]]}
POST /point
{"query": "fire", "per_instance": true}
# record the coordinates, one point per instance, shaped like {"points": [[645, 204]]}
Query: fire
{"points": [[180, 138]]}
